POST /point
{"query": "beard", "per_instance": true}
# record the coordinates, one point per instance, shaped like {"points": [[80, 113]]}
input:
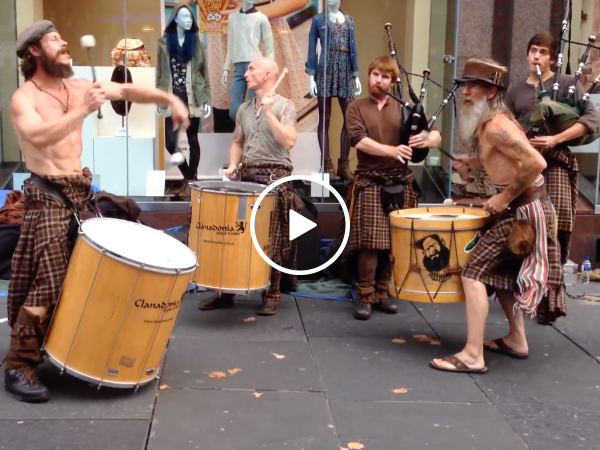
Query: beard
{"points": [[375, 92], [469, 117], [52, 67]]}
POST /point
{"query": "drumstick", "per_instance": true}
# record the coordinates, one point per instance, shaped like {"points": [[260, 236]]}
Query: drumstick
{"points": [[272, 91], [450, 202]]}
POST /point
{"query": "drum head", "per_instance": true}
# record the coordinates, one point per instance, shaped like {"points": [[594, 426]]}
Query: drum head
{"points": [[138, 244], [230, 187]]}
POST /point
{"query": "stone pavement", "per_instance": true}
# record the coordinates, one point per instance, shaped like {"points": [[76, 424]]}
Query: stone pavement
{"points": [[314, 378]]}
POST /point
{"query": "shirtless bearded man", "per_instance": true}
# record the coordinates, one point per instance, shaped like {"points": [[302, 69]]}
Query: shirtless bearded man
{"points": [[47, 112], [515, 168]]}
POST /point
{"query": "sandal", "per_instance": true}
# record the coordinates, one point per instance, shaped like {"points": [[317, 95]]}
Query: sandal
{"points": [[459, 366], [504, 349]]}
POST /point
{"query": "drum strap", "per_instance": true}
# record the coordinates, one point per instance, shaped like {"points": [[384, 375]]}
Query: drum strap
{"points": [[414, 266]]}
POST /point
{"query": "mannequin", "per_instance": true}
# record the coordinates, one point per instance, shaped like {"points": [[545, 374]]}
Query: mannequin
{"points": [[246, 29], [182, 69], [341, 78]]}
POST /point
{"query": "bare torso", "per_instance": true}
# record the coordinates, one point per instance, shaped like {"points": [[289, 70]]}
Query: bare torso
{"points": [[63, 158], [500, 169]]}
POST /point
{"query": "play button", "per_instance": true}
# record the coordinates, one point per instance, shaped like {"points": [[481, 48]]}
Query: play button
{"points": [[299, 225]]}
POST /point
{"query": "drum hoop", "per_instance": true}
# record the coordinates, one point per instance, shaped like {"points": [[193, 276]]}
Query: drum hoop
{"points": [[404, 227], [131, 262], [198, 186]]}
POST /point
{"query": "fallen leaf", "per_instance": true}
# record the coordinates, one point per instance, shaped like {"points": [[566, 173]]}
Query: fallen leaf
{"points": [[435, 342], [355, 446], [250, 319], [257, 394], [277, 356], [222, 429], [20, 422], [217, 375], [343, 448], [162, 387], [234, 371], [421, 337], [398, 341], [400, 391]]}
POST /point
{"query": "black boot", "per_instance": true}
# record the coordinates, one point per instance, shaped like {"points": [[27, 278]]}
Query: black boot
{"points": [[216, 302], [24, 356], [270, 304]]}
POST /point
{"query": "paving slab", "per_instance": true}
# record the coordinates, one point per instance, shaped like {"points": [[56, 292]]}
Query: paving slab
{"points": [[72, 434], [267, 365], [220, 420], [423, 426], [241, 322], [581, 325], [455, 312], [547, 426], [324, 318], [370, 369]]}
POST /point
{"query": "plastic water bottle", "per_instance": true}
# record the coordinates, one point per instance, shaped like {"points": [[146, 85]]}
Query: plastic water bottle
{"points": [[586, 268]]}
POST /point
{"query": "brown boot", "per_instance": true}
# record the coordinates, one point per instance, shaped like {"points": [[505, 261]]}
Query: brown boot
{"points": [[382, 284], [331, 171], [343, 170], [367, 265], [24, 356], [270, 304], [216, 302]]}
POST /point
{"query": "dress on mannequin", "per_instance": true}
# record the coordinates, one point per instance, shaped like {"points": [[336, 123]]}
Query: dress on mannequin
{"points": [[246, 30], [338, 77], [182, 69]]}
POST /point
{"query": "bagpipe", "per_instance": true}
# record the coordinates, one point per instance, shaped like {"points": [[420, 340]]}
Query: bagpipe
{"points": [[414, 117], [553, 115]]}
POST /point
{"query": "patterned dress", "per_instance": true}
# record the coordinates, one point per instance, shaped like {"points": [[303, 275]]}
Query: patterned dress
{"points": [[338, 79]]}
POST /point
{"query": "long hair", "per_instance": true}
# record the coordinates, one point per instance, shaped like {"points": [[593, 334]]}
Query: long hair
{"points": [[28, 63]]}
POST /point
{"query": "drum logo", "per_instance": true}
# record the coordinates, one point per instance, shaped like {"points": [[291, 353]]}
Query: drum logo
{"points": [[436, 256], [239, 228], [165, 306], [472, 243]]}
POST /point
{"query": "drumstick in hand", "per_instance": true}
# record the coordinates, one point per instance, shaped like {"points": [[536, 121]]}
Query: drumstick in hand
{"points": [[272, 91]]}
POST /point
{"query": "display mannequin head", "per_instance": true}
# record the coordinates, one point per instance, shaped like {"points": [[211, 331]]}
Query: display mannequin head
{"points": [[333, 5], [184, 20], [247, 4]]}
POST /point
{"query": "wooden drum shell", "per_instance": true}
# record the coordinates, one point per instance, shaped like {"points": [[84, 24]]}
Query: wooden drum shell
{"points": [[114, 317], [435, 281], [221, 237]]}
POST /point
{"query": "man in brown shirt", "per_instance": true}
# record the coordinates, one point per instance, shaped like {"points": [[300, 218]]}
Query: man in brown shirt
{"points": [[562, 169], [374, 128]]}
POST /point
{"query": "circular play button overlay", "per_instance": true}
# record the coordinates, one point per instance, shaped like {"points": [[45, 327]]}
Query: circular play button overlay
{"points": [[300, 225]]}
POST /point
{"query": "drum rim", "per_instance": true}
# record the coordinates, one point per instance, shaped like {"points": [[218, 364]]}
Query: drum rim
{"points": [[132, 262], [196, 186], [104, 382], [403, 222]]}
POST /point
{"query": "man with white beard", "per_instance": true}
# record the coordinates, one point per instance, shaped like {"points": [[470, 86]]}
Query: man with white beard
{"points": [[518, 254]]}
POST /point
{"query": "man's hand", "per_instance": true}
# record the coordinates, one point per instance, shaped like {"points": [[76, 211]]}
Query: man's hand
{"points": [[230, 172], [420, 140], [179, 114], [497, 204], [462, 163], [544, 142], [94, 97], [266, 103], [401, 152]]}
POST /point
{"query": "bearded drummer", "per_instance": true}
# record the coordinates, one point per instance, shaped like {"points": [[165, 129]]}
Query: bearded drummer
{"points": [[47, 113], [520, 279], [264, 134], [374, 126]]}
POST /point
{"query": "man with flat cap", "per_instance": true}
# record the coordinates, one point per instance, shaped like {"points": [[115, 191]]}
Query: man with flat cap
{"points": [[518, 255], [47, 112]]}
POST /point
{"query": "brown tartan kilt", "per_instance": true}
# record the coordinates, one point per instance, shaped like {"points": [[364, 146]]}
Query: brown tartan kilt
{"points": [[494, 265], [369, 226], [40, 261]]}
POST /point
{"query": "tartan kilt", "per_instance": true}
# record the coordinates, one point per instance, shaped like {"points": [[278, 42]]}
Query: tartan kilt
{"points": [[494, 265], [41, 258], [562, 185], [369, 226]]}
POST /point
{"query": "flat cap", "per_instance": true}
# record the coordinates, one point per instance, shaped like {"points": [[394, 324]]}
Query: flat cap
{"points": [[32, 34]]}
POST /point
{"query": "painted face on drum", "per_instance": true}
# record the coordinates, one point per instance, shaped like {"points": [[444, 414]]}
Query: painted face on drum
{"points": [[436, 256]]}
